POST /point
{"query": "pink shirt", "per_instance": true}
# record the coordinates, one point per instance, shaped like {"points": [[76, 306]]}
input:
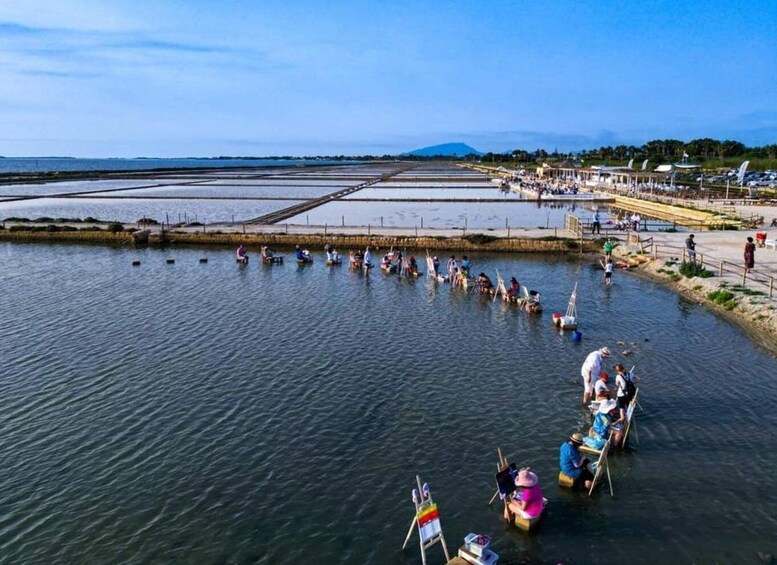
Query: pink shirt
{"points": [[532, 496]]}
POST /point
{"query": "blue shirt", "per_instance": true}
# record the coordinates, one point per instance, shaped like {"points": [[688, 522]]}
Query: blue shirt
{"points": [[602, 425], [300, 255], [569, 458]]}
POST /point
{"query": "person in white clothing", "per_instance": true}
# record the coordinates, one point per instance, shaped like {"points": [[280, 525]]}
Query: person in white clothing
{"points": [[590, 371]]}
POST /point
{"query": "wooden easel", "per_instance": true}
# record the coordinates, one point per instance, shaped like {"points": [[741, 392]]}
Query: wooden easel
{"points": [[501, 466], [601, 463], [501, 288], [631, 421], [427, 520]]}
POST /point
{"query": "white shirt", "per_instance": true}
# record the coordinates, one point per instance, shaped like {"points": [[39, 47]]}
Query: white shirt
{"points": [[608, 268], [600, 387], [592, 363], [620, 383]]}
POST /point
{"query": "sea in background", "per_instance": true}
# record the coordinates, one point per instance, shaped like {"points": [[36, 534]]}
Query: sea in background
{"points": [[69, 164], [218, 413]]}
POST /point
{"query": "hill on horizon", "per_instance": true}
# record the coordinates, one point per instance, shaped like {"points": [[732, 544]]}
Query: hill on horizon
{"points": [[446, 149]]}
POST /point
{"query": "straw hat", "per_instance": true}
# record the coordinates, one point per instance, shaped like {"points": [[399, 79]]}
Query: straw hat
{"points": [[577, 437], [605, 351], [526, 478], [607, 406]]}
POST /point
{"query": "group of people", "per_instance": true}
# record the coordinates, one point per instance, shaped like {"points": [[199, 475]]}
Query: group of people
{"points": [[749, 254], [396, 262]]}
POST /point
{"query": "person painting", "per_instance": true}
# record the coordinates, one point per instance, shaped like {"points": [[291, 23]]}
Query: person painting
{"points": [[590, 371], [302, 254], [607, 425], [514, 291], [573, 464], [527, 501], [601, 389], [466, 266], [412, 266], [749, 254], [484, 283], [690, 247], [453, 267], [242, 256]]}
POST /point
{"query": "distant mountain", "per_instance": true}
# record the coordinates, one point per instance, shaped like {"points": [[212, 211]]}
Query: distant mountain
{"points": [[446, 149]]}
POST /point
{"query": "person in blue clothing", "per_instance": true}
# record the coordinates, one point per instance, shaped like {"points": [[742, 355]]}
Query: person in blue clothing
{"points": [[367, 258], [607, 423], [466, 266], [302, 255], [573, 464], [596, 227]]}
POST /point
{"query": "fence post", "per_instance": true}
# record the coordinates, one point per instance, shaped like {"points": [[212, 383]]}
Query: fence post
{"points": [[771, 286], [744, 276], [721, 269]]}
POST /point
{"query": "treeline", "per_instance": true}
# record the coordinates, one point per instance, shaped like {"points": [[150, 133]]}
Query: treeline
{"points": [[657, 151]]}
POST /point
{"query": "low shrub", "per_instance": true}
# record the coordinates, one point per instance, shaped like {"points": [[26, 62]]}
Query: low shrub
{"points": [[480, 238], [691, 269], [115, 227]]}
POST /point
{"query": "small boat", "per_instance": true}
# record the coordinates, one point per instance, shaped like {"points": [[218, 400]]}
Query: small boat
{"points": [[569, 320]]}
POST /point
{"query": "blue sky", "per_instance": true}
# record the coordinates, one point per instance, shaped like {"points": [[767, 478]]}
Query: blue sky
{"points": [[92, 78]]}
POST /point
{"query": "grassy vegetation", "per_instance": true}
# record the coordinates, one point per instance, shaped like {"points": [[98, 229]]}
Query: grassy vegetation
{"points": [[691, 269], [747, 291], [697, 287], [723, 298]]}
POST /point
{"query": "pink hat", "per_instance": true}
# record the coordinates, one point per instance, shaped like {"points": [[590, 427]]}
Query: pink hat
{"points": [[526, 478]]}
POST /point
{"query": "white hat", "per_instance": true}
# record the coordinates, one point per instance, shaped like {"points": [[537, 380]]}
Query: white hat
{"points": [[605, 351], [607, 406]]}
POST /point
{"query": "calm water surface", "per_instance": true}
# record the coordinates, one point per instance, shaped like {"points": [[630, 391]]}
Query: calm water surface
{"points": [[213, 413], [132, 209]]}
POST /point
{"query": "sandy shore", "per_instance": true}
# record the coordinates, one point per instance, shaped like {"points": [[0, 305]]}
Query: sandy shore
{"points": [[749, 306]]}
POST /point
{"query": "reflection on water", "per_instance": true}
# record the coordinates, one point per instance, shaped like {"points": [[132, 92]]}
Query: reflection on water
{"points": [[217, 413]]}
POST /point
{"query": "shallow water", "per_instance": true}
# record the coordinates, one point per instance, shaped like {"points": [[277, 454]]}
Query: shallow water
{"points": [[211, 413], [132, 209], [474, 215]]}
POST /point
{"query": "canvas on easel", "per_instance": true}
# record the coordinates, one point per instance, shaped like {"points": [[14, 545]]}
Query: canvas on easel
{"points": [[427, 521]]}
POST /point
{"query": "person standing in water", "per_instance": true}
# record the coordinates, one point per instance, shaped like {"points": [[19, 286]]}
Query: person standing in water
{"points": [[608, 271]]}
